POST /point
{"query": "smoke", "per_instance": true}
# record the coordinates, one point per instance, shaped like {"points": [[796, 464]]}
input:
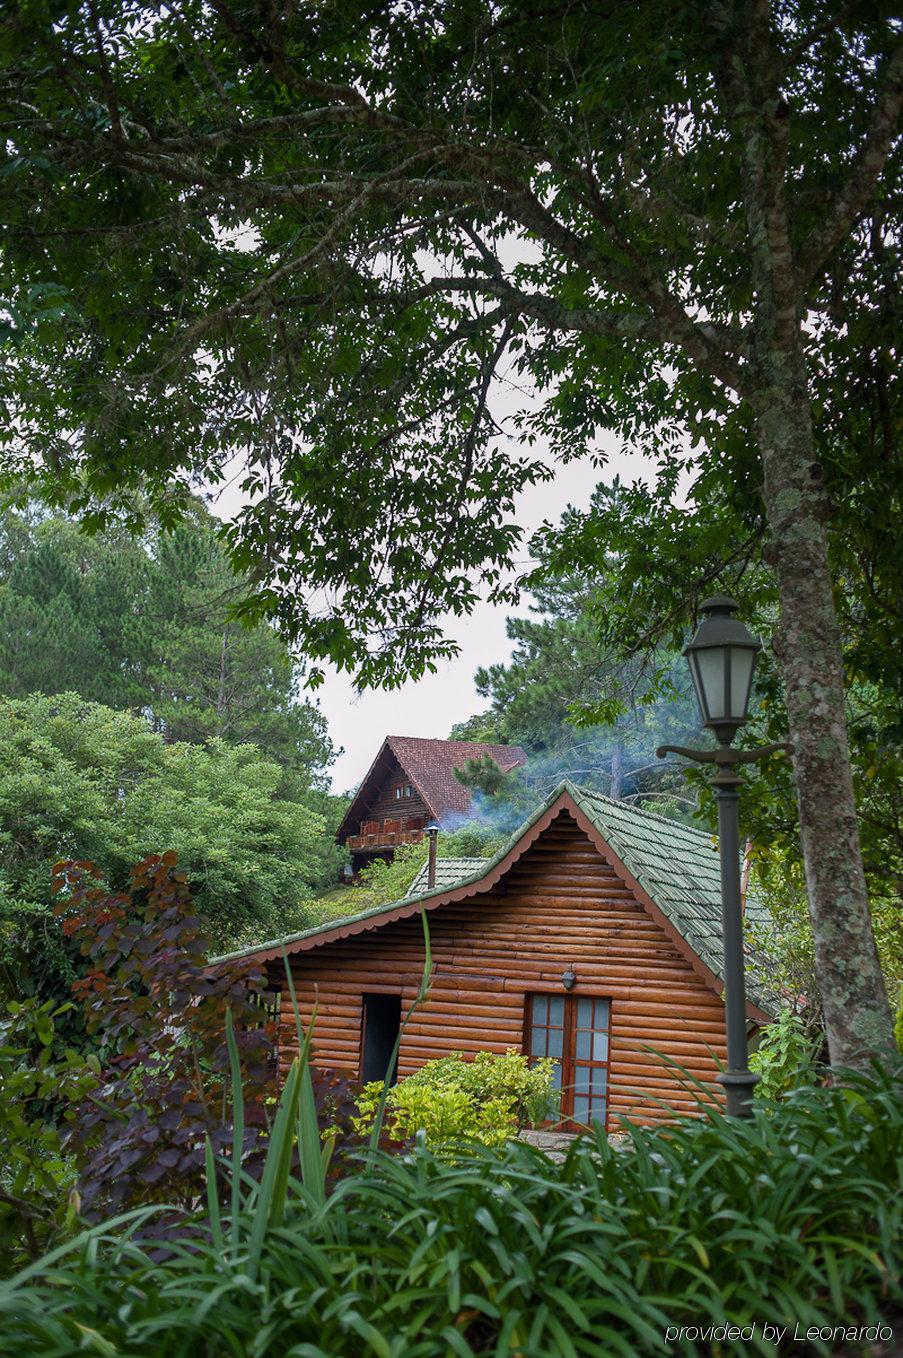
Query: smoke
{"points": [[619, 765], [492, 816]]}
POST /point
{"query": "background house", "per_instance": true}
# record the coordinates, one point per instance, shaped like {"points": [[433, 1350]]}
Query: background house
{"points": [[411, 782], [592, 937]]}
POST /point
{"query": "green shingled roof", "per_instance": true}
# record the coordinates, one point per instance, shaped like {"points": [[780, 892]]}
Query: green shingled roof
{"points": [[678, 867], [675, 865], [449, 872]]}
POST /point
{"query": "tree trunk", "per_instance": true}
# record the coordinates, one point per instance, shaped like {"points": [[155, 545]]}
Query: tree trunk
{"points": [[221, 690], [808, 647], [807, 644]]}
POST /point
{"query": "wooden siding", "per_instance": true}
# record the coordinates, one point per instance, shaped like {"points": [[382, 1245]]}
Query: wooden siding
{"points": [[560, 904], [384, 804]]}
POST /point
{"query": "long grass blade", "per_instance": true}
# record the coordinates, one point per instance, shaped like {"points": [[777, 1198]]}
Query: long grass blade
{"points": [[213, 1212], [274, 1176], [310, 1149]]}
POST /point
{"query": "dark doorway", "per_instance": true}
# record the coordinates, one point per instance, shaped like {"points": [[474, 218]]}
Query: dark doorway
{"points": [[380, 1022]]}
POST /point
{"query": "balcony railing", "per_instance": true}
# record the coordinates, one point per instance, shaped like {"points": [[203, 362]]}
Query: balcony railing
{"points": [[387, 834]]}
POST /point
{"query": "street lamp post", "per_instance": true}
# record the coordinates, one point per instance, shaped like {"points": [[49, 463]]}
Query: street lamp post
{"points": [[722, 660]]}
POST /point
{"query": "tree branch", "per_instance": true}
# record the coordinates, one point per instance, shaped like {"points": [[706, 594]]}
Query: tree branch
{"points": [[626, 325], [490, 363], [631, 326], [830, 25], [853, 197]]}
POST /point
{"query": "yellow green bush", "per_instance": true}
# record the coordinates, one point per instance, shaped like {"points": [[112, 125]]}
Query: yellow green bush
{"points": [[489, 1099]]}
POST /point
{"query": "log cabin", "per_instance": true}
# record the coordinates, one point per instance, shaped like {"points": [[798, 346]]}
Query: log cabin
{"points": [[592, 937], [410, 783]]}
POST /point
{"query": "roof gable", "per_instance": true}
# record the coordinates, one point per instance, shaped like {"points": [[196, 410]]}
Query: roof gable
{"points": [[430, 766], [675, 864], [673, 870]]}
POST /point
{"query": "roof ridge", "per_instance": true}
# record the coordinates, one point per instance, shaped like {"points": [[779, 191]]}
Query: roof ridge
{"points": [[448, 740], [451, 740], [640, 811]]}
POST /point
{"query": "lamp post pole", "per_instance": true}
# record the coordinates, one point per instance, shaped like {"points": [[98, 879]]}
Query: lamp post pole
{"points": [[737, 1079], [722, 657]]}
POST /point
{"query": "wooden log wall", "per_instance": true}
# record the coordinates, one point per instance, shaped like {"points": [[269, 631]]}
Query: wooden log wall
{"points": [[561, 904], [385, 802]]}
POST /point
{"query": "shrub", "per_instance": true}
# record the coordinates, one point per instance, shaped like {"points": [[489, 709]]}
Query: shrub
{"points": [[157, 1014], [489, 1098], [785, 1057], [794, 1218], [38, 1091]]}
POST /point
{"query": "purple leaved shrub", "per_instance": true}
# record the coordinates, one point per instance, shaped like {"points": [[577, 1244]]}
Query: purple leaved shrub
{"points": [[157, 1012]]}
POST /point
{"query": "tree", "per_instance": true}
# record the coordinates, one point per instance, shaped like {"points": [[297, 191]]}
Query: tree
{"points": [[70, 609], [147, 624], [315, 234], [80, 781]]}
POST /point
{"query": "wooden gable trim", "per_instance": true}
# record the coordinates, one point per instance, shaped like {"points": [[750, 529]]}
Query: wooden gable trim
{"points": [[363, 787], [365, 791], [271, 951]]}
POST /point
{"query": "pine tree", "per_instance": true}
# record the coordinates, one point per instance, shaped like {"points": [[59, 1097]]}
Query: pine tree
{"points": [[149, 625]]}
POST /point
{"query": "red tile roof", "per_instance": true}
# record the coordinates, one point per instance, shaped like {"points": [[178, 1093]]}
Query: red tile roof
{"points": [[430, 765]]}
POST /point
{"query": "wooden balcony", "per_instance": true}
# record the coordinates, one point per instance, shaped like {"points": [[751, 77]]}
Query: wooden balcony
{"points": [[387, 834]]}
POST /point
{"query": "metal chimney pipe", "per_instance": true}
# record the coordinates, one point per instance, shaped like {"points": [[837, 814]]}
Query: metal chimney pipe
{"points": [[432, 831]]}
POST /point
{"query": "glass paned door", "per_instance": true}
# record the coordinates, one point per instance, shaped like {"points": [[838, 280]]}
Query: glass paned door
{"points": [[574, 1030], [591, 1028]]}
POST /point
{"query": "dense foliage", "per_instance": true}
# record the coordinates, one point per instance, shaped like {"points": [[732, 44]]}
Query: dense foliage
{"points": [[159, 1015], [452, 1100], [785, 1057], [793, 1217], [40, 1088], [78, 780], [181, 314], [148, 624]]}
